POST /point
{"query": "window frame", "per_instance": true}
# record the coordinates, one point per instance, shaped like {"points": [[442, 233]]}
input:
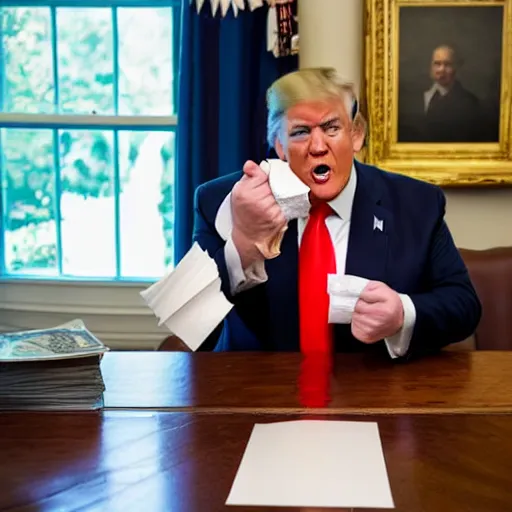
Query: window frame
{"points": [[115, 123]]}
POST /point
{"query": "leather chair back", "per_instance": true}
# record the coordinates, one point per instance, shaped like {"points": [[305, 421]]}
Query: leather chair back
{"points": [[491, 273]]}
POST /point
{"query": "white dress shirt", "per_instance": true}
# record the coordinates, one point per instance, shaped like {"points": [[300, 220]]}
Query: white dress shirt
{"points": [[338, 225], [428, 95]]}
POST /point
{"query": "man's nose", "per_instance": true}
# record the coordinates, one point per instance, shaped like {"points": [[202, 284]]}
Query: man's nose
{"points": [[318, 144]]}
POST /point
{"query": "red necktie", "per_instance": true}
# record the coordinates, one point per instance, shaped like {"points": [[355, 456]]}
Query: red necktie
{"points": [[316, 260]]}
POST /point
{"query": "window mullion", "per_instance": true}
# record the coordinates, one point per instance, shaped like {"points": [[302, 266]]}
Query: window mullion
{"points": [[117, 180], [117, 203], [115, 42], [79, 121], [56, 197], [56, 146], [55, 59]]}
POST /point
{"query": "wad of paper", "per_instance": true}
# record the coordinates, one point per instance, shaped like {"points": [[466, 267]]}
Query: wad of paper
{"points": [[57, 368], [313, 463], [290, 193], [344, 292], [188, 300]]}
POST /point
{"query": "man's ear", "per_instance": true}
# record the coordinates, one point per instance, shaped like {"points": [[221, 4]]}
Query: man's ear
{"points": [[280, 150], [358, 132]]}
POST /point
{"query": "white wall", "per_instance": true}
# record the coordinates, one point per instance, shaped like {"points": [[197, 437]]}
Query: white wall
{"points": [[331, 34]]}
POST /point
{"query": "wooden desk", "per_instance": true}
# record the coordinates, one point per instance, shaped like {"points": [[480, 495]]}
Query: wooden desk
{"points": [[153, 462], [451, 382]]}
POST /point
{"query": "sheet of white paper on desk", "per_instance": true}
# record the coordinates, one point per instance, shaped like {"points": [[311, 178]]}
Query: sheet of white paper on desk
{"points": [[312, 463], [198, 318], [344, 292]]}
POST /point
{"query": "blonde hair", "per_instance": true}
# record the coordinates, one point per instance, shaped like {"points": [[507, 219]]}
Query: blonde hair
{"points": [[306, 85]]}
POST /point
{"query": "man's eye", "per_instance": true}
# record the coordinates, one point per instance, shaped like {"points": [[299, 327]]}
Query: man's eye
{"points": [[298, 133], [331, 130]]}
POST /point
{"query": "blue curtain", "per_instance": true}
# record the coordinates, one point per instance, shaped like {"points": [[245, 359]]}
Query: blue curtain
{"points": [[225, 70]]}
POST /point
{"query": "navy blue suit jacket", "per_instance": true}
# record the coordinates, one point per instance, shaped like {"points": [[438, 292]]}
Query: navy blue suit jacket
{"points": [[414, 254]]}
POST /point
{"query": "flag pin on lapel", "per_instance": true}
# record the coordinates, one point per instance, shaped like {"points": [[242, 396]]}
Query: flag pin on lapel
{"points": [[378, 224]]}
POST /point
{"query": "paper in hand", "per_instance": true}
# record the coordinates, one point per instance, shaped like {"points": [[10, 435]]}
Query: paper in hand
{"points": [[188, 300], [312, 463], [290, 193], [344, 292]]}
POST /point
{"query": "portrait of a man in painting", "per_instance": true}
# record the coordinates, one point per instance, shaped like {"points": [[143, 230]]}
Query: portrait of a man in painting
{"points": [[450, 62]]}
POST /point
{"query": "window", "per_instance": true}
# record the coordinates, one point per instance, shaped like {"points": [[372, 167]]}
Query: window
{"points": [[87, 137]]}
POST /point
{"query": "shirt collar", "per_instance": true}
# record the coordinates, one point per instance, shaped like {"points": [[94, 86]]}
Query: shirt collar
{"points": [[443, 91], [342, 203]]}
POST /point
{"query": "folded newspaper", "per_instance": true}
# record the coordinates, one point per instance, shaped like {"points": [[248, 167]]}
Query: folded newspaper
{"points": [[188, 300], [56, 368]]}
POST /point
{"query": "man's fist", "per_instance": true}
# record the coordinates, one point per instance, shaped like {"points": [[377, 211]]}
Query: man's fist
{"points": [[378, 313], [256, 214]]}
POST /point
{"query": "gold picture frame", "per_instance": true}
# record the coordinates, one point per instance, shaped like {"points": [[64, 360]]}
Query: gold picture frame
{"points": [[472, 162]]}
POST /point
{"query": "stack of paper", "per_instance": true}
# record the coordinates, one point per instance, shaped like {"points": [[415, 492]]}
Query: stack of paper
{"points": [[56, 368], [312, 463], [188, 300]]}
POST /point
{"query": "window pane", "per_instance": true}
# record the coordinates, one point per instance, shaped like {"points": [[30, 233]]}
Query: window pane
{"points": [[87, 203], [28, 201], [146, 161], [85, 60], [26, 38], [145, 61]]}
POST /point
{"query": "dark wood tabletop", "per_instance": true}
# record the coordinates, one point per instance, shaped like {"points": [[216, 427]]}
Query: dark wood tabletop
{"points": [[155, 461], [450, 382]]}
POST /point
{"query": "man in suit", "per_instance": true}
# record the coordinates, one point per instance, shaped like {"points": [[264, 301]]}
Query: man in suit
{"points": [[365, 222], [448, 111]]}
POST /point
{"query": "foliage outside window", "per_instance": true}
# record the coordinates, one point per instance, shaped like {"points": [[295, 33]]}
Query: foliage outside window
{"points": [[87, 138]]}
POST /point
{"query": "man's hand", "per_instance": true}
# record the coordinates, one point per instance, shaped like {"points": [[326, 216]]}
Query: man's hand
{"points": [[378, 313], [256, 214]]}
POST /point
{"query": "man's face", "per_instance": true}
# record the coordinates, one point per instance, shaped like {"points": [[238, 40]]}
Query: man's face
{"points": [[443, 66], [321, 145]]}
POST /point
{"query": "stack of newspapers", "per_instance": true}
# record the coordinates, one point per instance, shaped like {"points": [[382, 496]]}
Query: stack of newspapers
{"points": [[51, 369]]}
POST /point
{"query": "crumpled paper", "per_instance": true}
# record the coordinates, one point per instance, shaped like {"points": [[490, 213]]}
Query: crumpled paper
{"points": [[291, 194], [344, 292]]}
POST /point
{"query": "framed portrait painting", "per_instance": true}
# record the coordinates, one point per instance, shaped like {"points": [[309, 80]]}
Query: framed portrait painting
{"points": [[438, 84]]}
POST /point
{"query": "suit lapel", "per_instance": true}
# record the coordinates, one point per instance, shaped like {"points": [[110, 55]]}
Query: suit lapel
{"points": [[366, 257], [370, 227], [282, 292]]}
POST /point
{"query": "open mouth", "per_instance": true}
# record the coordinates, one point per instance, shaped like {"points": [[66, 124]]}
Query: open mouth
{"points": [[321, 173]]}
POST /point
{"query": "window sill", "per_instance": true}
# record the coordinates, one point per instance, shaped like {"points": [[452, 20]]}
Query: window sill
{"points": [[114, 311], [74, 281]]}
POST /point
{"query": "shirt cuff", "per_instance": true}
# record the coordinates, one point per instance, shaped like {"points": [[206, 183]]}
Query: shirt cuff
{"points": [[398, 344], [239, 279]]}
